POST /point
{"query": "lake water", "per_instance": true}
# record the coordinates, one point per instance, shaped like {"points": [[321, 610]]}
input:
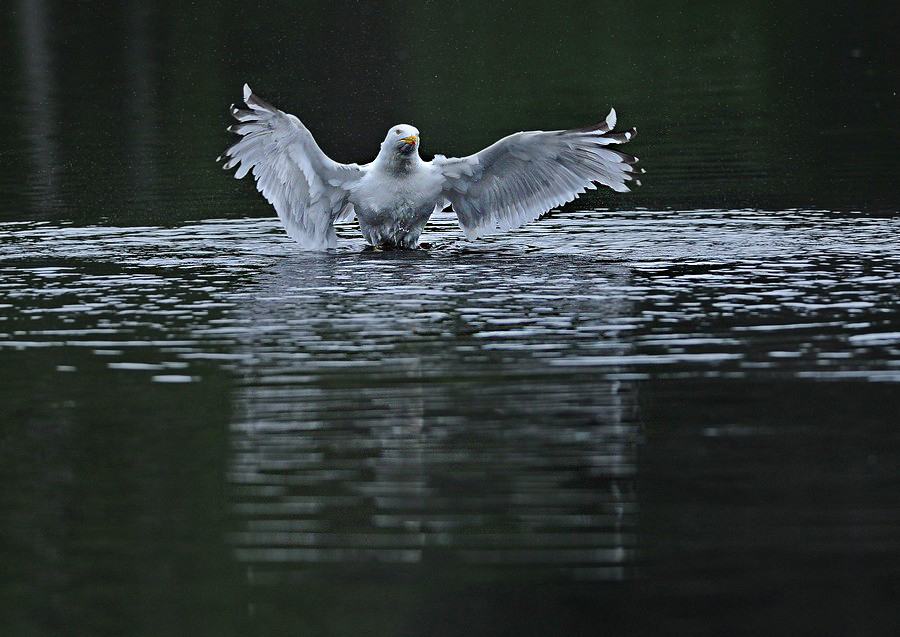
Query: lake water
{"points": [[669, 412]]}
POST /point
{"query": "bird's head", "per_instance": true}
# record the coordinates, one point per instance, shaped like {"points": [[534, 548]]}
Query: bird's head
{"points": [[403, 139]]}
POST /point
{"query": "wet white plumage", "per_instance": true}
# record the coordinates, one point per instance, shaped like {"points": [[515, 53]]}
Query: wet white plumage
{"points": [[507, 184]]}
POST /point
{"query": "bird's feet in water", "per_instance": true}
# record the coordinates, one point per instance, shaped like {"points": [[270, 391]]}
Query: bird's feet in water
{"points": [[425, 245]]}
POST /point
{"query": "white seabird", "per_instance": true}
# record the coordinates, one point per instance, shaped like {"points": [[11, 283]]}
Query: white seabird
{"points": [[507, 184]]}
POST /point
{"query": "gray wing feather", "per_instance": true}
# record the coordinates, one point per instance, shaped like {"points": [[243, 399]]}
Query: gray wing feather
{"points": [[524, 175], [308, 189]]}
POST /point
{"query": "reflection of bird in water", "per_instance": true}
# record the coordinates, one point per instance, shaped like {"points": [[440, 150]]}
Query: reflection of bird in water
{"points": [[368, 432], [510, 183]]}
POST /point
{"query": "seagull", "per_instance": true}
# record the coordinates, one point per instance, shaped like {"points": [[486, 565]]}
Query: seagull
{"points": [[508, 184]]}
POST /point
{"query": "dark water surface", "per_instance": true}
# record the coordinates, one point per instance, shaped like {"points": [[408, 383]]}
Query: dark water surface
{"points": [[669, 412]]}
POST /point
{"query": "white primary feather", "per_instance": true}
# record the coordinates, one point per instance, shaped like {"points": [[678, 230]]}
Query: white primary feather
{"points": [[308, 189], [524, 175]]}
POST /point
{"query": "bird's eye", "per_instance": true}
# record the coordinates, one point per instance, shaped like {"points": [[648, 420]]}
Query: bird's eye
{"points": [[398, 131]]}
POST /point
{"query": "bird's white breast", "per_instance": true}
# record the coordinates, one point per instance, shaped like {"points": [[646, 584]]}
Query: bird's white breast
{"points": [[393, 205], [384, 191]]}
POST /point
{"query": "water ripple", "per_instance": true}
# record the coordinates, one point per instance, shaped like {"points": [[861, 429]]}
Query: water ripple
{"points": [[478, 399]]}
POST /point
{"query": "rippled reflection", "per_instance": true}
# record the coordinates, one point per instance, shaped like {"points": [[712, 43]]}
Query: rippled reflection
{"points": [[477, 410], [408, 418], [623, 296]]}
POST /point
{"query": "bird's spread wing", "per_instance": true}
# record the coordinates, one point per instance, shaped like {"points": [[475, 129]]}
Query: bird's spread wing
{"points": [[306, 187], [524, 175]]}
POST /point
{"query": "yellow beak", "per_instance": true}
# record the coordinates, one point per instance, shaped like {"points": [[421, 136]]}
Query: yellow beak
{"points": [[412, 139]]}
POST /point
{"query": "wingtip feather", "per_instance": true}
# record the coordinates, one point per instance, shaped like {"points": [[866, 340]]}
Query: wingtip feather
{"points": [[611, 119], [247, 92]]}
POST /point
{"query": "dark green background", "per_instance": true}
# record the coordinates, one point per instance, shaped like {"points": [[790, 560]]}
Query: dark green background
{"points": [[112, 108]]}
